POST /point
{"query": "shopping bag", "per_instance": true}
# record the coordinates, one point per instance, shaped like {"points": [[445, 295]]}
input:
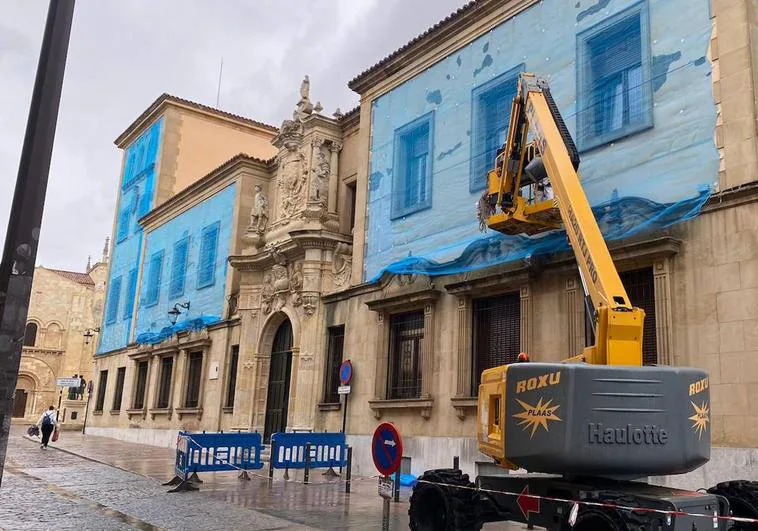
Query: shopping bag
{"points": [[55, 435]]}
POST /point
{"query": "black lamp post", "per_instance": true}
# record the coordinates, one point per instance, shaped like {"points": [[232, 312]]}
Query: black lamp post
{"points": [[88, 334], [175, 312]]}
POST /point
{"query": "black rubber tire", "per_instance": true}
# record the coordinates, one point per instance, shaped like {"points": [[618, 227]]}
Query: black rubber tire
{"points": [[597, 520], [743, 501], [437, 506]]}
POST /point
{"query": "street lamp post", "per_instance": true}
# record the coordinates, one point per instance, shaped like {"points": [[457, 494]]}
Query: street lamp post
{"points": [[22, 237]]}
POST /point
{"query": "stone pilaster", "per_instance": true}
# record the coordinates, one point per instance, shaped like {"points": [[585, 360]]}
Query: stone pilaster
{"points": [[526, 319], [663, 313], [465, 362], [335, 149], [382, 357], [427, 355]]}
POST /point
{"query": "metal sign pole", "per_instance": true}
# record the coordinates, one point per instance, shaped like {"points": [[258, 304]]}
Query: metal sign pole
{"points": [[60, 398], [22, 238], [385, 510], [344, 413]]}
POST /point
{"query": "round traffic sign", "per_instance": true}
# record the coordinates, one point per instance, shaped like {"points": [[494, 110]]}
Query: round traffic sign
{"points": [[346, 372], [387, 449]]}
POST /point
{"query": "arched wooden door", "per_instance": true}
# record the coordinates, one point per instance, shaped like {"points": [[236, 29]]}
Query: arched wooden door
{"points": [[19, 403], [280, 370]]}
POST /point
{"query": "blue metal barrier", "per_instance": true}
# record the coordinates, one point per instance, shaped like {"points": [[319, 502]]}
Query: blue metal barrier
{"points": [[217, 452], [288, 450]]}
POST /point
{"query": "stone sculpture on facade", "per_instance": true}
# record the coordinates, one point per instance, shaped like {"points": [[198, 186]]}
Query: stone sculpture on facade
{"points": [[293, 174], [259, 212], [342, 264], [282, 282], [320, 183]]}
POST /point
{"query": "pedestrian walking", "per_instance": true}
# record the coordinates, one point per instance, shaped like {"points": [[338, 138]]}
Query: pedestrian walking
{"points": [[47, 424]]}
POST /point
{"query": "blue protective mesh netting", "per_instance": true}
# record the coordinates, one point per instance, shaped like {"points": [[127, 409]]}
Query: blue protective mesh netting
{"points": [[152, 338], [634, 86], [619, 219]]}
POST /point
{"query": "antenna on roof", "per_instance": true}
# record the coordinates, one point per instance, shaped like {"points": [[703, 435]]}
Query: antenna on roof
{"points": [[218, 92]]}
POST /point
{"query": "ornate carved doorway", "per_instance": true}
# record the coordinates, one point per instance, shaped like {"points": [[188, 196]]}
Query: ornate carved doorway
{"points": [[280, 369]]}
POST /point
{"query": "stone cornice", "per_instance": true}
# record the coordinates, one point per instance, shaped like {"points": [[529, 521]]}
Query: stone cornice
{"points": [[43, 351], [446, 37], [318, 239], [264, 258], [404, 301], [732, 197]]}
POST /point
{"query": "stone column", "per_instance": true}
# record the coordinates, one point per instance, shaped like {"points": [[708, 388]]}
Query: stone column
{"points": [[526, 319], [335, 149], [465, 363], [663, 313], [427, 355], [572, 318]]}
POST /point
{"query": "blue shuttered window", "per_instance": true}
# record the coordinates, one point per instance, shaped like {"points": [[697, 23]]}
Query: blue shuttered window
{"points": [[491, 114], [412, 189], [179, 268], [206, 271], [615, 96], [131, 292], [114, 294], [153, 288], [123, 224]]}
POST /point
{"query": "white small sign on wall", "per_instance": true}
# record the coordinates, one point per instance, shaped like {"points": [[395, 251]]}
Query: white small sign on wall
{"points": [[213, 372]]}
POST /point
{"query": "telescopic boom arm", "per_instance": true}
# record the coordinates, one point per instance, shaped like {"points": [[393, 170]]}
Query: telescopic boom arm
{"points": [[552, 158]]}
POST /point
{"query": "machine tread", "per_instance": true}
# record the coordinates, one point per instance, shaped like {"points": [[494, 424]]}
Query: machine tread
{"points": [[742, 496], [461, 502]]}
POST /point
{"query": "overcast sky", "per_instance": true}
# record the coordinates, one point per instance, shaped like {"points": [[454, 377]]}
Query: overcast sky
{"points": [[125, 53]]}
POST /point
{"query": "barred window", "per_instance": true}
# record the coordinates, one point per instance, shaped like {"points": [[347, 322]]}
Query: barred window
{"points": [[164, 391], [333, 361], [119, 393], [193, 379], [140, 386], [232, 376], [497, 333], [101, 385], [406, 346]]}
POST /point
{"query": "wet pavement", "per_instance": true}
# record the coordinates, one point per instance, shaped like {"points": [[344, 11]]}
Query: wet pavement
{"points": [[88, 482]]}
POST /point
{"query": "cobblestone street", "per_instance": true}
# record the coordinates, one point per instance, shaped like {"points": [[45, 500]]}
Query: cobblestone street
{"points": [[87, 482]]}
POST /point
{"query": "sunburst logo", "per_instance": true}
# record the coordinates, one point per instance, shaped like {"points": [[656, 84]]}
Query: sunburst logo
{"points": [[700, 419], [535, 416]]}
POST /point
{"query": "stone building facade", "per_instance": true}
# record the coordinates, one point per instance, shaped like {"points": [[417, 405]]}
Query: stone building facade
{"points": [[64, 306], [330, 220]]}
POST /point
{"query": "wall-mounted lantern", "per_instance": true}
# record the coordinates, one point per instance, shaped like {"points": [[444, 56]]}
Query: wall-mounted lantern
{"points": [[88, 334], [175, 312]]}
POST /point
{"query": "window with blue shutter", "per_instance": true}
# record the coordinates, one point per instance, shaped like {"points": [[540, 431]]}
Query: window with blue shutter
{"points": [[114, 294], [412, 188], [615, 93], [179, 268], [153, 288], [123, 224], [491, 114], [206, 272], [131, 292]]}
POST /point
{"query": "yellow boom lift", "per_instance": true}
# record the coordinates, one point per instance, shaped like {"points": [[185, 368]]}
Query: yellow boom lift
{"points": [[596, 424]]}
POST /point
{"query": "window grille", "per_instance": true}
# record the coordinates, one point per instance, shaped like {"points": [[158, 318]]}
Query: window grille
{"points": [[496, 333], [406, 346]]}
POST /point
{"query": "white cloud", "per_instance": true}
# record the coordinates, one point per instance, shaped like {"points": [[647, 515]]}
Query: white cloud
{"points": [[124, 54]]}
